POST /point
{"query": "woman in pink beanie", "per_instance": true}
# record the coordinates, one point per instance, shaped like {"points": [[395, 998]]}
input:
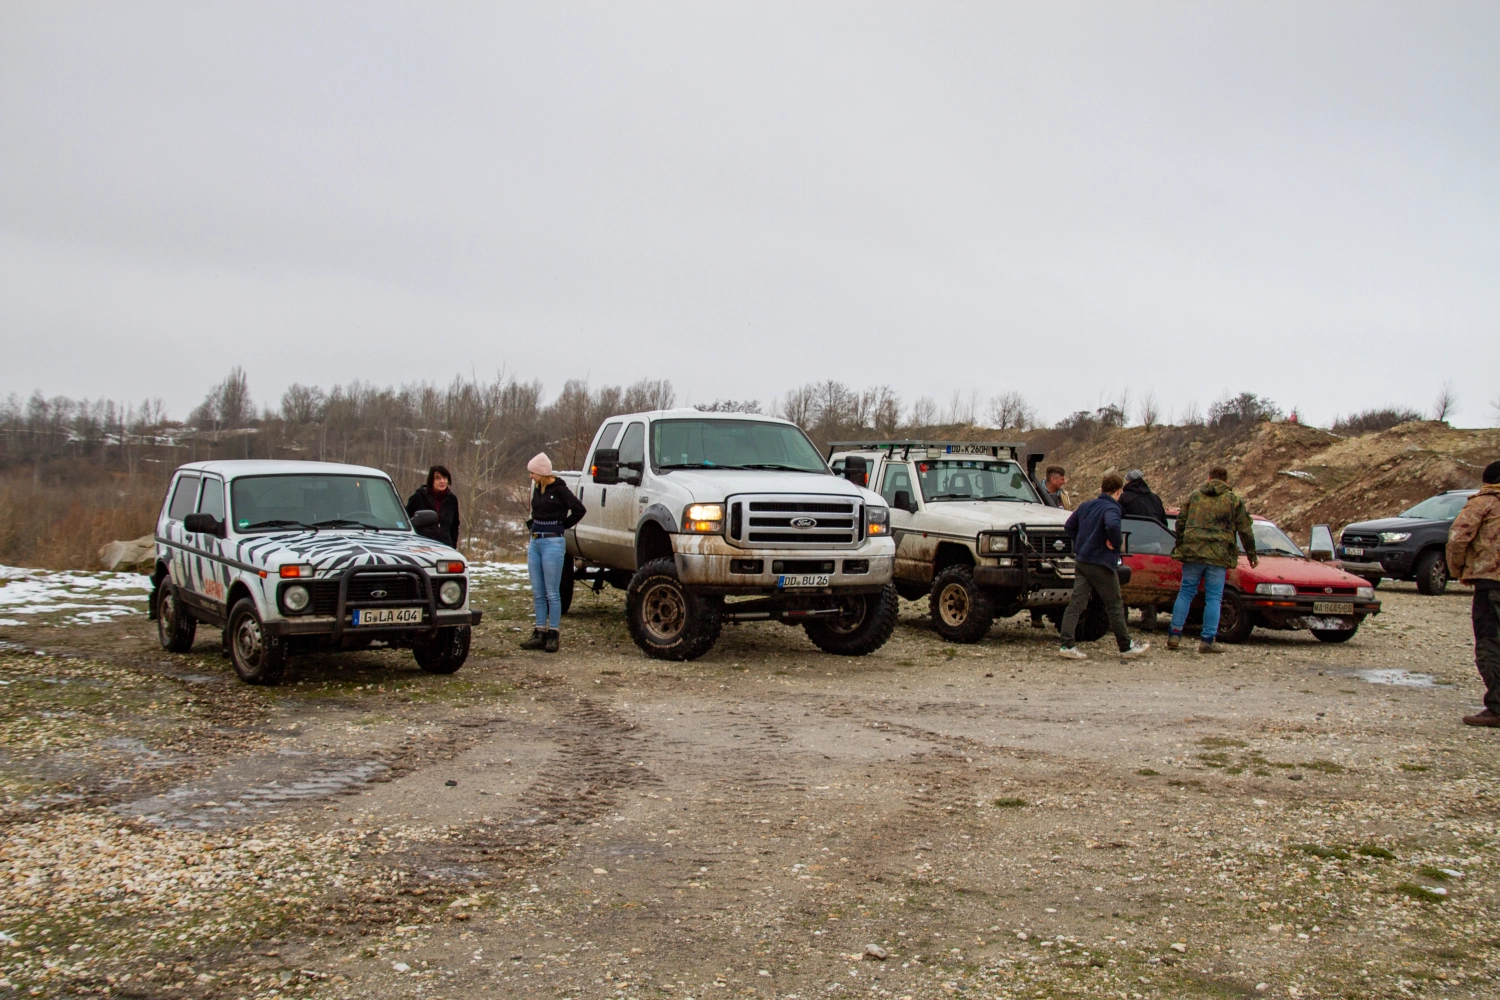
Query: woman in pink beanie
{"points": [[554, 509]]}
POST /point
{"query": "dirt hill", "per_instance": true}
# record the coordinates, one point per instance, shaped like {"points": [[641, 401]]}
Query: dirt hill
{"points": [[1296, 475]]}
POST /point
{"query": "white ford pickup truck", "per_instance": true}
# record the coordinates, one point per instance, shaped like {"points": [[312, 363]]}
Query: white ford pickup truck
{"points": [[705, 518]]}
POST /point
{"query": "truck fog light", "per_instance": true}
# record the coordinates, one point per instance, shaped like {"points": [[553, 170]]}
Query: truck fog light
{"points": [[296, 598], [1276, 589], [451, 592]]}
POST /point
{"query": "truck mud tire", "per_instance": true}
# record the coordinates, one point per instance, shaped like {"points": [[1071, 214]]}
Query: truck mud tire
{"points": [[565, 586], [867, 622], [257, 657], [961, 610], [1093, 624], [445, 652], [1432, 572], [175, 625], [911, 591], [1234, 620], [667, 620]]}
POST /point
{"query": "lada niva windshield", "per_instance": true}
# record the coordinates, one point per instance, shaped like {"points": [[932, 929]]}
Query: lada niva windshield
{"points": [[271, 503], [1444, 507], [1272, 541], [973, 479], [733, 444]]}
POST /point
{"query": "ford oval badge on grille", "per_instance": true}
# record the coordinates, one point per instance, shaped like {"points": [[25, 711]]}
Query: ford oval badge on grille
{"points": [[378, 593], [804, 522]]}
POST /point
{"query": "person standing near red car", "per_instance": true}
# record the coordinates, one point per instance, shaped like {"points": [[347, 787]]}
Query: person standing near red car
{"points": [[1207, 526], [1474, 558]]}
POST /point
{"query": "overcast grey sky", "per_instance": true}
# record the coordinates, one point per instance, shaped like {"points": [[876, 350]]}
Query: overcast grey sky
{"points": [[1295, 199]]}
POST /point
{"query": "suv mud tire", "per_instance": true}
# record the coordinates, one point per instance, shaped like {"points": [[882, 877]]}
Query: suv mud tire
{"points": [[668, 620], [867, 622], [1234, 619], [445, 652], [961, 610], [257, 657], [1093, 624], [1432, 572], [175, 625]]}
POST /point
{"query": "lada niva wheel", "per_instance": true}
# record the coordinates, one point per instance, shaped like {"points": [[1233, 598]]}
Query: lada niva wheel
{"points": [[175, 625], [667, 620], [867, 622], [257, 657], [962, 611], [445, 652]]}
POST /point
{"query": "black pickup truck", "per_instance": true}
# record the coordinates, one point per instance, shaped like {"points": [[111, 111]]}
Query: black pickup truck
{"points": [[1408, 546]]}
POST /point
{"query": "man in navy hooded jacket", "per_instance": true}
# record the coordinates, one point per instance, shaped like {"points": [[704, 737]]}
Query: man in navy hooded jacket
{"points": [[1095, 530]]}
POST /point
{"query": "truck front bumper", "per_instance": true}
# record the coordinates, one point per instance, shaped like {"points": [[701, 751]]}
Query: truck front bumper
{"points": [[710, 561]]}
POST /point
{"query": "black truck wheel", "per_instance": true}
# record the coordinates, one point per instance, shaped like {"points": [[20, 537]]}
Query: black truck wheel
{"points": [[668, 620], [1093, 624], [1234, 620], [867, 622], [565, 587], [257, 657], [1432, 572], [175, 625], [962, 611], [445, 652]]}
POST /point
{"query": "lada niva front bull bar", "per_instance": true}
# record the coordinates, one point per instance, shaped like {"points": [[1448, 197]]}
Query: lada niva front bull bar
{"points": [[339, 623]]}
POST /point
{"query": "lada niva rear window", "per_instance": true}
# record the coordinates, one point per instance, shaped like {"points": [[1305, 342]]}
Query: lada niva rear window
{"points": [[973, 479], [270, 503], [732, 444], [183, 498]]}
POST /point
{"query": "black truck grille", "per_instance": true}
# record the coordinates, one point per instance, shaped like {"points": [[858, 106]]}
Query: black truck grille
{"points": [[325, 597], [801, 507], [383, 587], [1361, 541]]}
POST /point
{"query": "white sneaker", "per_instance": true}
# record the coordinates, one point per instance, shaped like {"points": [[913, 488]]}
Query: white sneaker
{"points": [[1072, 653], [1136, 649]]}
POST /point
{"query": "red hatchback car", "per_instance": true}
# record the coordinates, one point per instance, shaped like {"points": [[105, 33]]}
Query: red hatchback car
{"points": [[1287, 591]]}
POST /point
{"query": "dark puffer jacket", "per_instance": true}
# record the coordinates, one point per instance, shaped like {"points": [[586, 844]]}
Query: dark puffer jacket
{"points": [[1139, 501], [446, 530]]}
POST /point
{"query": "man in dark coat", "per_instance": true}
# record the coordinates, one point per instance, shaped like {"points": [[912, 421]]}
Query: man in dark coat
{"points": [[1097, 541], [1137, 500], [437, 495]]}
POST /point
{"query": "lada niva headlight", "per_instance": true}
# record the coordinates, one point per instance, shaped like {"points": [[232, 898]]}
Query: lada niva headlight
{"points": [[704, 518], [451, 592], [1391, 537], [997, 543], [1276, 589], [877, 521], [296, 598]]}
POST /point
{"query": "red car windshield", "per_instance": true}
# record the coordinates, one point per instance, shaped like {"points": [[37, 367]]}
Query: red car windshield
{"points": [[1272, 541]]}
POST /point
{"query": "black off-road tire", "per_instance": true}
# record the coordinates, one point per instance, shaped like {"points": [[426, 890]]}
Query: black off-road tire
{"points": [[175, 624], [868, 621], [445, 652], [565, 587], [1374, 581], [1334, 634], [1235, 623], [961, 610], [1432, 572], [1093, 624], [910, 590], [257, 657], [668, 620]]}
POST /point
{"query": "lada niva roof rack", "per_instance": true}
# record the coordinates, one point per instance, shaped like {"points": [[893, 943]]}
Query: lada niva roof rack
{"points": [[994, 448]]}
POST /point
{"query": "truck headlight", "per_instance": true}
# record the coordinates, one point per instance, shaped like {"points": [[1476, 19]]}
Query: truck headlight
{"points": [[1276, 589], [295, 597], [997, 543], [877, 521], [1365, 593], [1389, 537], [704, 518], [451, 592]]}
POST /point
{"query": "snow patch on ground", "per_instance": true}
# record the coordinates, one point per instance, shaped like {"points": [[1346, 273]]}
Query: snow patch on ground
{"points": [[69, 597]]}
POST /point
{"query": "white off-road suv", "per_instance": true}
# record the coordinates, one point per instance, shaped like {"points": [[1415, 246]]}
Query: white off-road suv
{"points": [[705, 518], [972, 533], [291, 556]]}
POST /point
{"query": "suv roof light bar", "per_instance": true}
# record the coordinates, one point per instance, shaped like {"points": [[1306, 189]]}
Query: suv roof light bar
{"points": [[948, 447]]}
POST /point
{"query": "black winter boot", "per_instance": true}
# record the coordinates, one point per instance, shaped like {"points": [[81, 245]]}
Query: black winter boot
{"points": [[552, 640], [537, 641]]}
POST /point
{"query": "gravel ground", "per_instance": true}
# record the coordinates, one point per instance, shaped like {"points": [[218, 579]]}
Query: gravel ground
{"points": [[1287, 819]]}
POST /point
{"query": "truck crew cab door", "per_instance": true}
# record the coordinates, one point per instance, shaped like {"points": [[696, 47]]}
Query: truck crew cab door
{"points": [[896, 477], [589, 537], [618, 516]]}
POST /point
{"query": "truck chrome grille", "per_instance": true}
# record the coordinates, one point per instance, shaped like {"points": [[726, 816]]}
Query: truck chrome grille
{"points": [[800, 522]]}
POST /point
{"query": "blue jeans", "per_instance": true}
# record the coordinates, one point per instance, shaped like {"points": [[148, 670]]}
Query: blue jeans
{"points": [[544, 561], [1213, 587]]}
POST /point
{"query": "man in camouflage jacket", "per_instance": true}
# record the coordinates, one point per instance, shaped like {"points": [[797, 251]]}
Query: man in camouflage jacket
{"points": [[1474, 558], [1207, 526]]}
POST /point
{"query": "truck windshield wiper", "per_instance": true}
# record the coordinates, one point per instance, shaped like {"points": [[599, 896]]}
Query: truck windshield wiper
{"points": [[954, 496], [344, 522], [279, 522], [700, 465], [1005, 496], [777, 465]]}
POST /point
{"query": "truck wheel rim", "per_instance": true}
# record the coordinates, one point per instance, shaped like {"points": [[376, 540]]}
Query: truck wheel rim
{"points": [[852, 615], [663, 612], [164, 612], [953, 605], [247, 640]]}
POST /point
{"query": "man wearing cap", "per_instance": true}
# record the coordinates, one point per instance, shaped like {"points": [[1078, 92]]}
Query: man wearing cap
{"points": [[554, 509], [1474, 558]]}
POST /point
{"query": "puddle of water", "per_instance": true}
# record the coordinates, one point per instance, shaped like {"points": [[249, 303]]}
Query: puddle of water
{"points": [[1400, 678], [221, 799]]}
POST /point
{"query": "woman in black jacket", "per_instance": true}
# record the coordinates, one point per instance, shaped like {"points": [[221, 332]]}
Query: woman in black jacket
{"points": [[437, 495], [554, 509]]}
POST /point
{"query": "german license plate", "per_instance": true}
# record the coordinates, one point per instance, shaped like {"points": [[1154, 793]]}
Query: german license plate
{"points": [[797, 581], [1350, 550], [387, 616], [1332, 608]]}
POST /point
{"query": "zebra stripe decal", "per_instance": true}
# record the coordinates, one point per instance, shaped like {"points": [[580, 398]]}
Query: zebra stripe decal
{"points": [[328, 552]]}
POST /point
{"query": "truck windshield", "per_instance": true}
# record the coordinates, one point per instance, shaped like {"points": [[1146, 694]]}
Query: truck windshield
{"points": [[276, 503], [733, 444], [1443, 507], [973, 479]]}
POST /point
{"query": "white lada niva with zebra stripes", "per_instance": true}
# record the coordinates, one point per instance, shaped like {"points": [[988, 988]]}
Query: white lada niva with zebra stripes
{"points": [[294, 556]]}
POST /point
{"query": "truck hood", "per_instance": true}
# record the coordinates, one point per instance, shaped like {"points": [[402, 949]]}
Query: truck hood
{"points": [[969, 517], [706, 486], [335, 551], [1394, 524]]}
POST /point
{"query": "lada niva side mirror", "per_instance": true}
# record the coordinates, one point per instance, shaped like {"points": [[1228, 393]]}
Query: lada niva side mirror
{"points": [[203, 524], [605, 468], [903, 501], [1320, 546], [424, 519]]}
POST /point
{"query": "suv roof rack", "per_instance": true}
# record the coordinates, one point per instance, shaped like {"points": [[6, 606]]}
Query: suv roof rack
{"points": [[947, 447]]}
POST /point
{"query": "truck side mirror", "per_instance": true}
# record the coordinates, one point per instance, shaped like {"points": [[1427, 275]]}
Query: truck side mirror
{"points": [[605, 468], [632, 473], [203, 524], [903, 501], [1320, 544], [424, 519], [856, 470]]}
